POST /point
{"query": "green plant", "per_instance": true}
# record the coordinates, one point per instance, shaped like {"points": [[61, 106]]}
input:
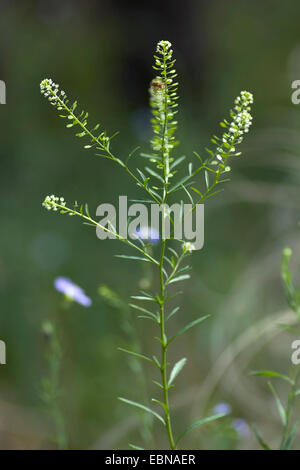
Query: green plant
{"points": [[159, 181], [51, 392], [132, 343], [289, 428]]}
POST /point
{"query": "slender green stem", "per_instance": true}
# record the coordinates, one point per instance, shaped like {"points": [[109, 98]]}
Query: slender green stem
{"points": [[164, 345], [291, 399], [51, 391], [114, 233], [102, 146]]}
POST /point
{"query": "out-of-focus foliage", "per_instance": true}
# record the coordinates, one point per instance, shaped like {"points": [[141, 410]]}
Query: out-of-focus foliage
{"points": [[100, 51]]}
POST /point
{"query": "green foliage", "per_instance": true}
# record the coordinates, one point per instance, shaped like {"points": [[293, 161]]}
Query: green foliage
{"points": [[292, 293], [285, 411], [51, 386], [155, 180]]}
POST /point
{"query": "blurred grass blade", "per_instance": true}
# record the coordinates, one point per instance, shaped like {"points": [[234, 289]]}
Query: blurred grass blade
{"points": [[280, 407], [291, 437], [260, 439], [270, 373], [132, 446]]}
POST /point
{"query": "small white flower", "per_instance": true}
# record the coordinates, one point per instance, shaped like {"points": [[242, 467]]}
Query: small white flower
{"points": [[188, 247], [51, 91], [52, 202]]}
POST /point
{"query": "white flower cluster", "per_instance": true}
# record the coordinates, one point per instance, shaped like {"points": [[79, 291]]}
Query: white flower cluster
{"points": [[240, 124], [51, 91], [165, 48], [242, 119], [188, 247], [163, 45], [52, 202]]}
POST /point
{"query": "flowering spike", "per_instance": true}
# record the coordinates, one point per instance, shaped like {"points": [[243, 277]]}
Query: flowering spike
{"points": [[52, 92], [239, 125], [163, 104], [54, 203]]}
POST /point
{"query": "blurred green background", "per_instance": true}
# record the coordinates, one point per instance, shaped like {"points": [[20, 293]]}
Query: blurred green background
{"points": [[101, 54]]}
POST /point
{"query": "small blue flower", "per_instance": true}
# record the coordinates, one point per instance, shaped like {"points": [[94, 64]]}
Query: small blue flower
{"points": [[222, 408], [72, 291], [147, 233], [241, 427]]}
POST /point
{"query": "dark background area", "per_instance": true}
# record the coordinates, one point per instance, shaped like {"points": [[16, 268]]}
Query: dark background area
{"points": [[100, 52]]}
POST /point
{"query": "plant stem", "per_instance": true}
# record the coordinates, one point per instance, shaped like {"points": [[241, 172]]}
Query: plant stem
{"points": [[291, 399], [164, 345], [51, 391], [96, 140]]}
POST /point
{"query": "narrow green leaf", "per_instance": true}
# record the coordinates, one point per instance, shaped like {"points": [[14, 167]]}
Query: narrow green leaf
{"points": [[156, 361], [142, 407], [134, 447], [87, 210], [206, 179], [177, 162], [291, 437], [176, 369], [287, 327], [210, 152], [280, 407], [141, 174], [199, 423], [187, 327], [141, 356], [188, 194], [158, 384], [260, 439], [143, 310], [154, 174], [169, 261], [214, 193], [173, 251], [179, 292], [131, 154], [147, 294], [175, 310], [179, 278], [185, 268], [270, 373], [197, 191], [198, 156], [146, 317], [141, 297], [179, 183], [140, 258], [159, 403]]}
